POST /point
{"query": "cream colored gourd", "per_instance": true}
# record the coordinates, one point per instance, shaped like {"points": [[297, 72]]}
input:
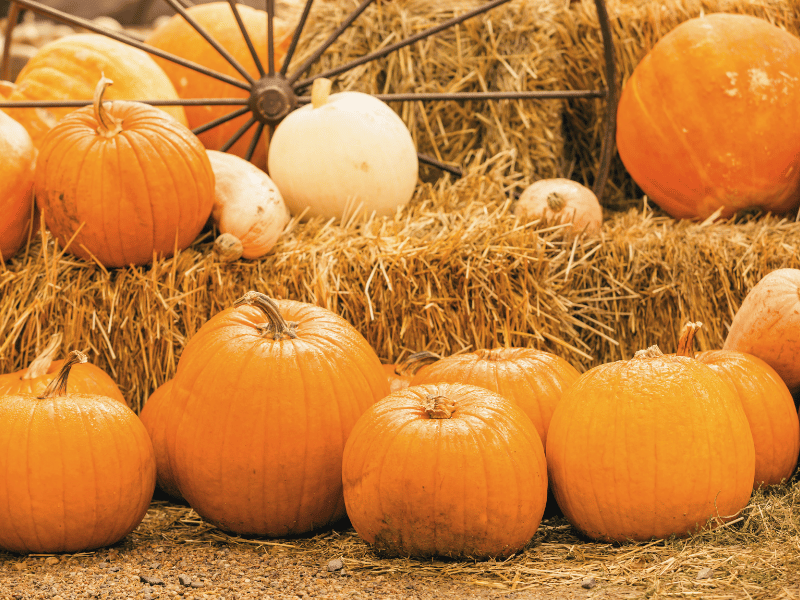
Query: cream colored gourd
{"points": [[563, 201], [247, 204], [343, 154]]}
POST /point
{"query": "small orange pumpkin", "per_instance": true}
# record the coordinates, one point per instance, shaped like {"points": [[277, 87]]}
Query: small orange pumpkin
{"points": [[152, 416], [79, 470], [17, 168], [445, 470]]}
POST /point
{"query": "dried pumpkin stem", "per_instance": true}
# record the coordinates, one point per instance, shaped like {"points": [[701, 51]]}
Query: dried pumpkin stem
{"points": [[686, 341], [439, 407], [651, 352], [107, 125], [41, 364], [495, 354], [320, 90], [415, 361], [277, 326], [58, 386], [556, 202]]}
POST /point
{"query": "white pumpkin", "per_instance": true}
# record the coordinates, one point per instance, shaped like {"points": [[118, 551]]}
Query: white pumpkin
{"points": [[343, 154], [247, 204], [563, 201]]}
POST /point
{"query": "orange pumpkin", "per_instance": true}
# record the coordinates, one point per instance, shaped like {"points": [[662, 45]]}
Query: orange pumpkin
{"points": [[710, 118], [532, 379], [152, 416], [179, 38], [445, 470], [767, 324], [17, 167], [264, 397], [69, 68], [649, 447], [85, 378], [79, 470], [122, 182], [767, 403]]}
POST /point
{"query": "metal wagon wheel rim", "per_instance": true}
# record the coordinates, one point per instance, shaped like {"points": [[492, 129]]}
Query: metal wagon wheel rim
{"points": [[276, 93]]}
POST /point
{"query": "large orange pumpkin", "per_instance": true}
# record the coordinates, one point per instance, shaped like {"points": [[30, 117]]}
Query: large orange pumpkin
{"points": [[445, 470], [85, 377], [532, 379], [649, 447], [766, 401], [123, 181], [263, 400], [152, 416], [69, 69], [17, 167], [178, 37], [767, 324], [710, 118], [78, 469]]}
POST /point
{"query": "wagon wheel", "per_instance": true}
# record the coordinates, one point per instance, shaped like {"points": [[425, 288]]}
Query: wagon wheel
{"points": [[278, 92]]}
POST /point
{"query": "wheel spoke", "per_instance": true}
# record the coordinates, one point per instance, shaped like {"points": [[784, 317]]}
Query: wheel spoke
{"points": [[296, 37], [235, 137], [214, 43], [429, 160], [611, 100], [333, 37], [5, 62], [396, 46], [220, 120], [126, 39], [162, 102], [464, 96], [270, 37], [251, 149], [247, 39]]}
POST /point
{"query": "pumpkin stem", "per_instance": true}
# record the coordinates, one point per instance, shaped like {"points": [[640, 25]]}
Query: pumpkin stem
{"points": [[107, 125], [414, 362], [556, 202], [277, 324], [320, 90], [41, 364], [58, 386], [686, 341], [651, 352], [495, 354], [439, 407]]}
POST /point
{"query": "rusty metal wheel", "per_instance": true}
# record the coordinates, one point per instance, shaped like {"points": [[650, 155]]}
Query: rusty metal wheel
{"points": [[276, 93]]}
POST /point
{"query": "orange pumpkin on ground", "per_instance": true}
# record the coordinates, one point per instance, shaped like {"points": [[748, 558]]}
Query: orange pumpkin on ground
{"points": [[767, 324], [79, 470], [263, 400], [17, 168], [85, 377], [445, 470], [152, 416], [710, 118], [648, 448], [122, 182], [532, 379], [767, 403], [178, 37]]}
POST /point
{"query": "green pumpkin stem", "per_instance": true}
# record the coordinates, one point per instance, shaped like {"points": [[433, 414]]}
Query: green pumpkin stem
{"points": [[439, 407], [41, 364], [686, 341], [58, 386], [107, 125], [277, 325]]}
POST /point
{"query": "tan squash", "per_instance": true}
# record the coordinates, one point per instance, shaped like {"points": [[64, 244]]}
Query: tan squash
{"points": [[563, 201]]}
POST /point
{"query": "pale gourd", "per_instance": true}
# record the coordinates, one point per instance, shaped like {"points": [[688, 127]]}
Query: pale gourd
{"points": [[344, 154], [563, 201], [247, 204]]}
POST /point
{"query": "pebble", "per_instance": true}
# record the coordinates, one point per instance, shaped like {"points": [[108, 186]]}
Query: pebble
{"points": [[335, 565], [588, 583], [185, 580], [706, 573], [151, 580], [51, 560]]}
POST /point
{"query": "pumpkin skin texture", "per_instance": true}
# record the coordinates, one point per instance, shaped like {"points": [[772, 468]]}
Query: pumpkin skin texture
{"points": [[563, 201], [445, 470], [17, 168], [145, 189], [152, 417], [710, 118], [767, 324], [648, 448], [79, 468], [69, 69], [179, 38], [531, 379], [344, 154], [258, 419]]}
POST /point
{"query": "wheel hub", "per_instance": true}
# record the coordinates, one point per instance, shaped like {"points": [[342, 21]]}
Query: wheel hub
{"points": [[271, 99]]}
